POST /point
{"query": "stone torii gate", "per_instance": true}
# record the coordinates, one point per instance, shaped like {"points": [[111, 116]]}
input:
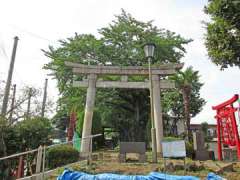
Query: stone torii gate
{"points": [[91, 83]]}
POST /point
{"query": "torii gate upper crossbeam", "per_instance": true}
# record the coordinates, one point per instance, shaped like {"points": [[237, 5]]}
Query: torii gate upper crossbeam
{"points": [[164, 70]]}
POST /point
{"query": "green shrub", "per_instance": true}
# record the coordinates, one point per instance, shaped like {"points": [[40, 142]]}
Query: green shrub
{"points": [[189, 149], [170, 138], [61, 155]]}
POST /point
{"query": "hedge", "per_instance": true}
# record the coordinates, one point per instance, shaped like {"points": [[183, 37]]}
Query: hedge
{"points": [[61, 155]]}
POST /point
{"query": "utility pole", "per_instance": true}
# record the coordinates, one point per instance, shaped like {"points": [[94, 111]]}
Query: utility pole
{"points": [[9, 78], [44, 98], [29, 102], [12, 104]]}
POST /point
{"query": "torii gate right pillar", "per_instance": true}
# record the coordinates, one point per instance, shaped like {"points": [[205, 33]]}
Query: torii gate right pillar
{"points": [[158, 120]]}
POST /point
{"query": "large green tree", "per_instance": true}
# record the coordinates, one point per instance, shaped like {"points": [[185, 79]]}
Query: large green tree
{"points": [[121, 44], [187, 82], [223, 32]]}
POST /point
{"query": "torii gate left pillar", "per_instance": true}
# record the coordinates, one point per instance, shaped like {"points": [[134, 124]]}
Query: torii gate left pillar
{"points": [[88, 115]]}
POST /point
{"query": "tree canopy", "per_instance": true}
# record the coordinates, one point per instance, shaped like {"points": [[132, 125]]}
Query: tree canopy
{"points": [[223, 32], [120, 43]]}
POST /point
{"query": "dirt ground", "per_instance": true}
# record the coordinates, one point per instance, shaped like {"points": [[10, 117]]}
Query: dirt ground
{"points": [[109, 164]]}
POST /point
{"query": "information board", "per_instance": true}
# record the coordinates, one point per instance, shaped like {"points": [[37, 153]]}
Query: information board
{"points": [[174, 148]]}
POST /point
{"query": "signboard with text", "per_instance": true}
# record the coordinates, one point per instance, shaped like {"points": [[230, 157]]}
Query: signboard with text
{"points": [[174, 148]]}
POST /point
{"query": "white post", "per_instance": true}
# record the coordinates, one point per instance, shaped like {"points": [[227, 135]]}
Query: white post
{"points": [[87, 124], [157, 112], [39, 163]]}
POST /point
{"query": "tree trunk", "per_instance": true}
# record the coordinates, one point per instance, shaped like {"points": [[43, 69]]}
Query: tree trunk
{"points": [[186, 101], [137, 121]]}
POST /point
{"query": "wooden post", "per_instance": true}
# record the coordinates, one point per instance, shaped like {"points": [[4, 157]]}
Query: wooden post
{"points": [[43, 162], [20, 167], [39, 163], [87, 124], [157, 113]]}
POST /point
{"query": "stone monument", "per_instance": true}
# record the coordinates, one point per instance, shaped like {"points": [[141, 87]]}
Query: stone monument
{"points": [[199, 146]]}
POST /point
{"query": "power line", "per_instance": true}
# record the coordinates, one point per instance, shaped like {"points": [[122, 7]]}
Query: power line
{"points": [[7, 59], [35, 35]]}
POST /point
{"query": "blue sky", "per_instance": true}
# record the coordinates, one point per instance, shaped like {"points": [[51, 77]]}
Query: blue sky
{"points": [[40, 23]]}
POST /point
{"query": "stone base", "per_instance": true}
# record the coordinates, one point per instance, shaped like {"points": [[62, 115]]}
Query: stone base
{"points": [[122, 158], [142, 158]]}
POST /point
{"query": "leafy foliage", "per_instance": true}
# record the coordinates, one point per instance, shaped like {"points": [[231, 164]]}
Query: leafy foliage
{"points": [[223, 32], [34, 132], [3, 131], [204, 128], [26, 134], [22, 136], [186, 101], [170, 138], [61, 155], [189, 149]]}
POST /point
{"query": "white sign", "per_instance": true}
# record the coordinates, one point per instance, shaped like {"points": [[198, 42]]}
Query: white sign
{"points": [[174, 148]]}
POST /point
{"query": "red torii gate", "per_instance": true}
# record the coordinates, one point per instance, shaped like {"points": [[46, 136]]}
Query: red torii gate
{"points": [[227, 131]]}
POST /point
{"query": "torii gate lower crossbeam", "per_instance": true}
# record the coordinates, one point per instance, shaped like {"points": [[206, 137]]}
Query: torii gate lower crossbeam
{"points": [[92, 83]]}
